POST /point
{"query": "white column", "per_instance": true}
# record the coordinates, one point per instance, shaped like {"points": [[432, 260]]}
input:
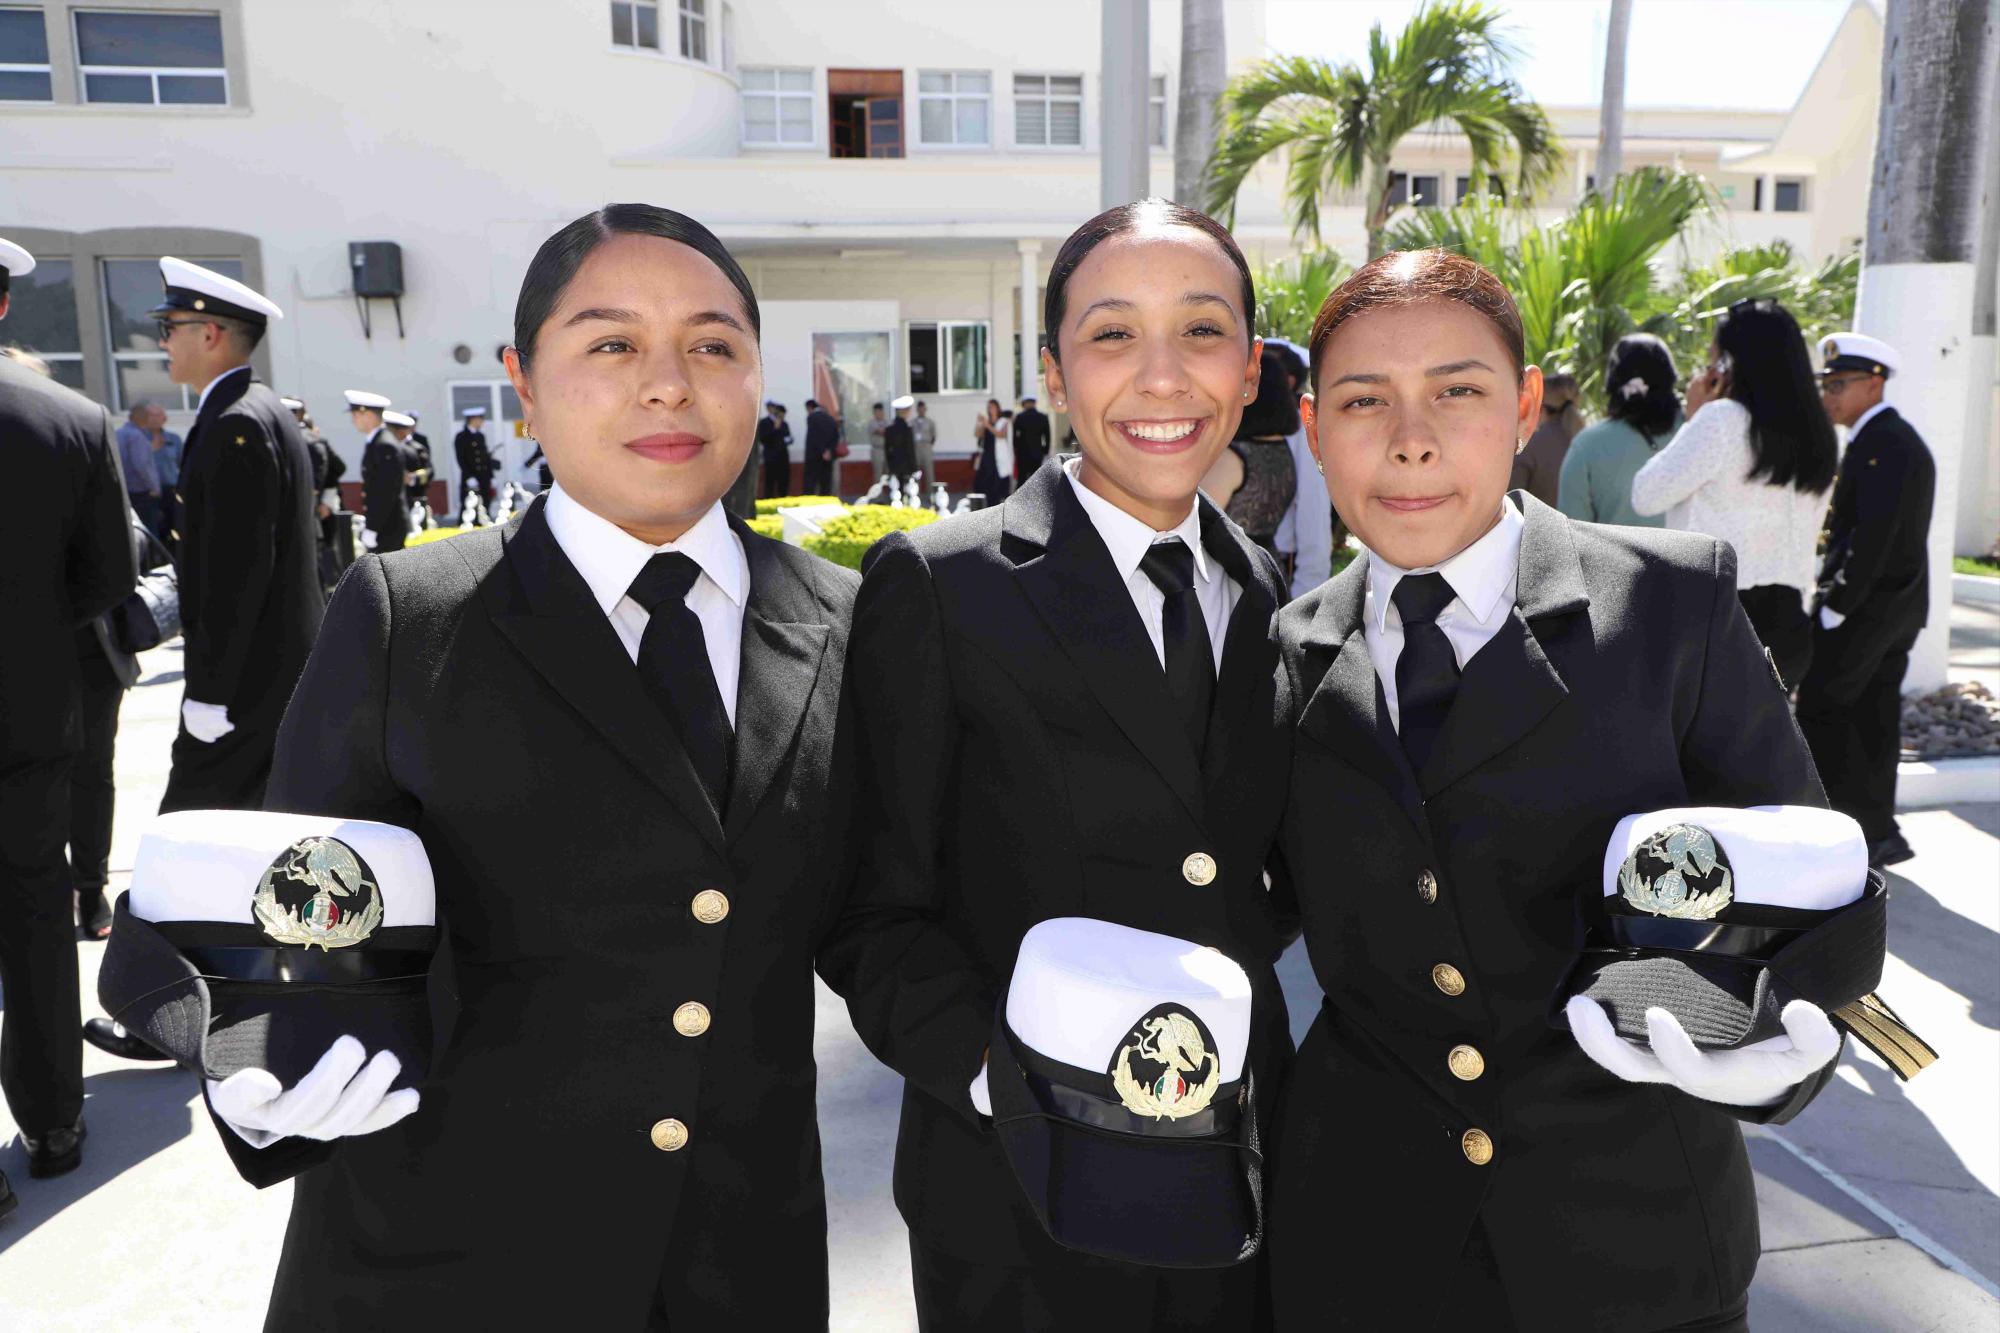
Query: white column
{"points": [[1124, 161], [1031, 352]]}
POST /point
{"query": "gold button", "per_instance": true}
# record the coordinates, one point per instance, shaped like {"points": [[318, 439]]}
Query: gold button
{"points": [[709, 906], [1465, 1062], [1427, 887], [1477, 1147], [1448, 979], [691, 1019], [669, 1135], [1198, 869]]}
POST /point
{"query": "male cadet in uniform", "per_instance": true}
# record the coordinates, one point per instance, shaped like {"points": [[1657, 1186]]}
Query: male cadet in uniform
{"points": [[899, 442], [328, 467], [251, 599], [384, 471], [65, 558], [822, 448], [416, 463], [418, 446], [1031, 439], [475, 460], [924, 431], [1874, 593]]}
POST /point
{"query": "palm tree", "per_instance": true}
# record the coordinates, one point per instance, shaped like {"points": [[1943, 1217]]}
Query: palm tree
{"points": [[1611, 111], [1291, 291], [1204, 73], [1341, 124]]}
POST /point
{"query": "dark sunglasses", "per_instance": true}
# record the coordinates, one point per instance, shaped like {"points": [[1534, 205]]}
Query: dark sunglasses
{"points": [[167, 326]]}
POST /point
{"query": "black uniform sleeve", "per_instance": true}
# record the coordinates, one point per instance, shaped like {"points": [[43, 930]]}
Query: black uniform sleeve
{"points": [[1879, 500], [101, 572], [242, 547], [914, 992]]}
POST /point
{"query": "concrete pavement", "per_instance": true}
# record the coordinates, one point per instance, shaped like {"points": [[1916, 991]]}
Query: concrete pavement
{"points": [[1881, 1205]]}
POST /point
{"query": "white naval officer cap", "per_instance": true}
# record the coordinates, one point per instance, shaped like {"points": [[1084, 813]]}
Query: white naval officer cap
{"points": [[193, 288], [1796, 856], [204, 865], [471, 412], [363, 398], [906, 400], [17, 263], [293, 404], [395, 418], [1857, 351]]}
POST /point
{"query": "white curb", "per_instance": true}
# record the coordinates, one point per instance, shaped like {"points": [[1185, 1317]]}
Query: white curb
{"points": [[1975, 588], [1922, 782]]}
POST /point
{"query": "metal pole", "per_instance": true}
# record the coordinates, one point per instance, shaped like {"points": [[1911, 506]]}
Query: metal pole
{"points": [[1124, 162], [1031, 352]]}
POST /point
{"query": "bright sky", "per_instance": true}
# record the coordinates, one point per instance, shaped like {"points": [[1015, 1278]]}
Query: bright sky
{"points": [[1755, 54]]}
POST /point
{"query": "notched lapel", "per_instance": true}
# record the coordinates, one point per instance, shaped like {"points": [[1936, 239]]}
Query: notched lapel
{"points": [[560, 629], [1348, 713], [784, 647]]}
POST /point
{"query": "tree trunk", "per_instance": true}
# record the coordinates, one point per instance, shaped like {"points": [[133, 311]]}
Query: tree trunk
{"points": [[1204, 74], [1611, 112], [1927, 204], [1375, 193]]}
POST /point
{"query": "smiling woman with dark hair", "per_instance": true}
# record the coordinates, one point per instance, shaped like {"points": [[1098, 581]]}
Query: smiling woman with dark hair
{"points": [[611, 722], [1065, 706]]}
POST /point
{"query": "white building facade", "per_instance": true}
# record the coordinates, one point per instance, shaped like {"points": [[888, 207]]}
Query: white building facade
{"points": [[895, 177]]}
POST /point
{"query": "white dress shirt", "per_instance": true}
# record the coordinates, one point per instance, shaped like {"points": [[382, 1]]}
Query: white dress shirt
{"points": [[609, 558], [1484, 575], [1128, 539]]}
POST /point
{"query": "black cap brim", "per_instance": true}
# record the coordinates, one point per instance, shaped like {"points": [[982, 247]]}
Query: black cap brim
{"points": [[1159, 1202], [218, 1025]]}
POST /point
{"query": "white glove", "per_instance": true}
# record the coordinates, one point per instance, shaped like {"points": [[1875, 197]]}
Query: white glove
{"points": [[207, 723], [1830, 618], [1761, 1074], [982, 1101], [339, 1098]]}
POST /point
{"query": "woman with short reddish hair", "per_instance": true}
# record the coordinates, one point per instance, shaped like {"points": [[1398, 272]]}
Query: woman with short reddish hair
{"points": [[1480, 700]]}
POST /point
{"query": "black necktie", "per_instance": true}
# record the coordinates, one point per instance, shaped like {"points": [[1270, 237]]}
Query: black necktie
{"points": [[1190, 659], [1427, 669], [673, 663]]}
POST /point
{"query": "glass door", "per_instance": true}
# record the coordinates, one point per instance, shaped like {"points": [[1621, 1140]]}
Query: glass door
{"points": [[506, 433]]}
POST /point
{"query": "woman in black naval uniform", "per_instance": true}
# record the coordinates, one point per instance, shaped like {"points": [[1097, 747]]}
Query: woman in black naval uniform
{"points": [[1483, 697], [1042, 731], [612, 722]]}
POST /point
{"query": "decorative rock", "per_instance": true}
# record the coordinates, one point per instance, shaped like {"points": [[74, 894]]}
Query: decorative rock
{"points": [[1960, 719]]}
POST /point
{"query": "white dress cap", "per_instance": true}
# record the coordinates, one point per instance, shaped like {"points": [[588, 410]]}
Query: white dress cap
{"points": [[18, 262], [1080, 984], [905, 401], [1856, 348], [294, 404], [1796, 856], [471, 412], [205, 865], [363, 398], [398, 419], [237, 299]]}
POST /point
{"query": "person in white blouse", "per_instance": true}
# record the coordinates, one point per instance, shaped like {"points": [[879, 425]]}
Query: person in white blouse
{"points": [[1754, 465]]}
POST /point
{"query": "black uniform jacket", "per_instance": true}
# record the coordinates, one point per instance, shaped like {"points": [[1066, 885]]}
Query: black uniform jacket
{"points": [[776, 439], [383, 497], [475, 460], [1877, 570], [1031, 439], [251, 600], [65, 556], [899, 448], [1627, 678], [474, 691], [1020, 759], [822, 435]]}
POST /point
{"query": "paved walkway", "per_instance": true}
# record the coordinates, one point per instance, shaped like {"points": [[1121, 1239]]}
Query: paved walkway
{"points": [[1881, 1205]]}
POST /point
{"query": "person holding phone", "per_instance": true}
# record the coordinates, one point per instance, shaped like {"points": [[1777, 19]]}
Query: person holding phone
{"points": [[1754, 465]]}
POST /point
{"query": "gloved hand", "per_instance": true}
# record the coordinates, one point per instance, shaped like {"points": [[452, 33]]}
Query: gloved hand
{"points": [[1760, 1074], [207, 723], [1830, 618], [340, 1098]]}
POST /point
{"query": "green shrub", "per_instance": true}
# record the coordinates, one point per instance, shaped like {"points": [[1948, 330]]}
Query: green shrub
{"points": [[772, 506], [767, 525], [1972, 564], [846, 539]]}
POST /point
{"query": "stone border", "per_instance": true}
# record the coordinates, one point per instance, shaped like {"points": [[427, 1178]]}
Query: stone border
{"points": [[1974, 588], [1925, 782]]}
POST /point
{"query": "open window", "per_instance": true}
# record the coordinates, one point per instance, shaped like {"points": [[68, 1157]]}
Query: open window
{"points": [[865, 112]]}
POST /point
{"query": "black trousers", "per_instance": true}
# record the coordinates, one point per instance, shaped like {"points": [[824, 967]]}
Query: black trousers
{"points": [[41, 1051], [777, 476], [1477, 1300], [1065, 1292], [1778, 614], [818, 478], [92, 792], [1851, 709], [228, 774]]}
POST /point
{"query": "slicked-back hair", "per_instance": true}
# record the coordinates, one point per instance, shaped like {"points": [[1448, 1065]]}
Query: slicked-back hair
{"points": [[1118, 222], [555, 265], [1771, 374], [1653, 408], [1414, 277]]}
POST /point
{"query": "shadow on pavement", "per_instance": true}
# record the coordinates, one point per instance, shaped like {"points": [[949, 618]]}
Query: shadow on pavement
{"points": [[132, 1114], [1946, 947]]}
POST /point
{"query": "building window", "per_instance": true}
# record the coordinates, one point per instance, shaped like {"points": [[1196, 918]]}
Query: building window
{"points": [[635, 24], [42, 318], [694, 30], [1422, 191], [1788, 195], [1048, 110], [1156, 112], [777, 106], [864, 112], [24, 57], [1462, 188], [138, 365], [151, 59], [955, 107], [948, 356]]}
